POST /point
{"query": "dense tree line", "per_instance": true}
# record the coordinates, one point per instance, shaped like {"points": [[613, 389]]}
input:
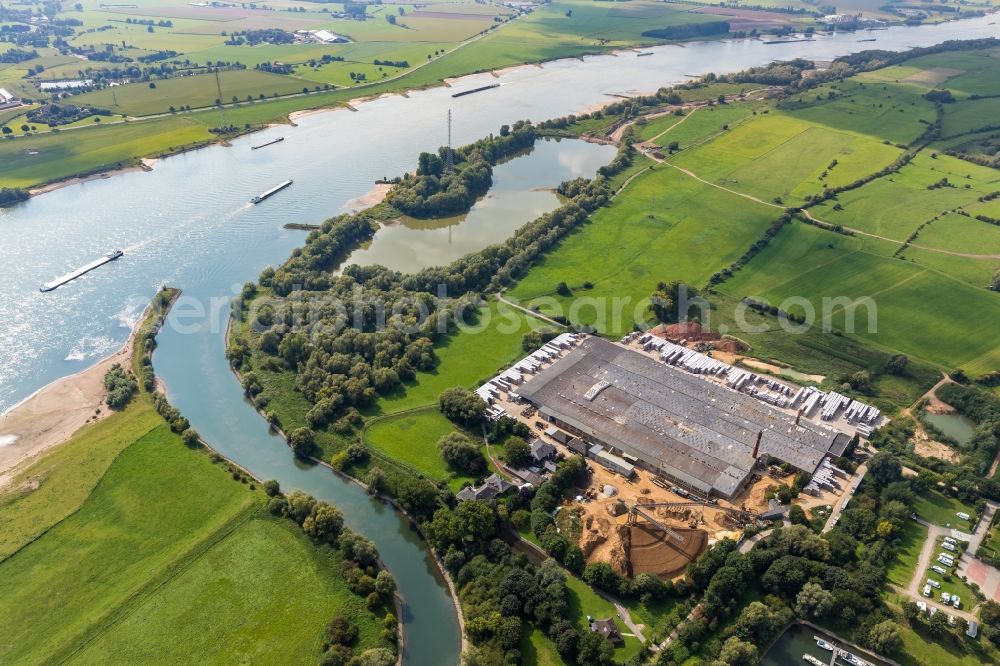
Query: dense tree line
{"points": [[119, 386], [54, 114], [499, 590], [12, 195], [18, 55], [435, 192], [689, 30], [834, 578]]}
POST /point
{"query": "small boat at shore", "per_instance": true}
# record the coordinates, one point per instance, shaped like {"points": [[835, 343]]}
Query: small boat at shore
{"points": [[269, 143], [813, 660], [644, 53], [870, 39], [853, 660], [69, 277], [271, 192]]}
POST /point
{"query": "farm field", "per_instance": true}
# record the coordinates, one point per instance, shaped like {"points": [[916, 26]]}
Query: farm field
{"points": [[264, 578], [659, 231], [128, 545], [67, 476], [197, 91], [882, 110], [969, 115], [976, 272], [895, 205], [959, 233], [913, 304], [696, 126], [44, 158], [973, 72], [782, 158]]}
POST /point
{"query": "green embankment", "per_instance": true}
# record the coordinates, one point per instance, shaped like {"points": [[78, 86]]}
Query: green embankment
{"points": [[56, 485], [123, 544], [44, 158]]}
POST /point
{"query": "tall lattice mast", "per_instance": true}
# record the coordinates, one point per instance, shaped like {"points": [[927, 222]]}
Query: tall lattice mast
{"points": [[449, 164]]}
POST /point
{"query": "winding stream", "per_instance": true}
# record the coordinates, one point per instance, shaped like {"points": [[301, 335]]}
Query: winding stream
{"points": [[188, 223]]}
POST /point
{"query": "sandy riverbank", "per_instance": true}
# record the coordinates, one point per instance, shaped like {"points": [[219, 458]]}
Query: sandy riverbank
{"points": [[373, 198], [50, 416], [146, 165]]}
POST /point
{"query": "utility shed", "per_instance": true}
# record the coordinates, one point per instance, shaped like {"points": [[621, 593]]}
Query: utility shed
{"points": [[612, 462], [558, 435]]}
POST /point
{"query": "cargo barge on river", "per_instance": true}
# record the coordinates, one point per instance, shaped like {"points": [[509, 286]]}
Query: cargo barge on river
{"points": [[69, 277], [475, 90], [271, 192]]}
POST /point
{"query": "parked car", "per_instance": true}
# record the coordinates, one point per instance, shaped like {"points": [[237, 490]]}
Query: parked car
{"points": [[927, 590], [963, 515], [933, 583], [940, 570], [956, 601], [945, 597]]}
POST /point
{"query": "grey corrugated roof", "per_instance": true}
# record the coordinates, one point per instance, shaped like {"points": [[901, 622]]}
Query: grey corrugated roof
{"points": [[694, 430]]}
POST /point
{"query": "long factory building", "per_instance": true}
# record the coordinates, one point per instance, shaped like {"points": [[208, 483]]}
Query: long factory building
{"points": [[698, 433]]}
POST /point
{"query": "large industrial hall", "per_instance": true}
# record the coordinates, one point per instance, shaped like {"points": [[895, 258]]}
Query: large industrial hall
{"points": [[700, 434]]}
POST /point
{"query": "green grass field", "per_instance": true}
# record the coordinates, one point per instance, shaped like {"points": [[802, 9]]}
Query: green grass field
{"points": [[696, 126], [66, 477], [139, 99], [894, 206], [137, 548], [262, 592], [903, 568], [466, 358], [969, 72], [665, 227], [913, 305], [780, 156], [27, 161], [411, 439], [941, 509], [969, 115], [976, 272], [880, 109]]}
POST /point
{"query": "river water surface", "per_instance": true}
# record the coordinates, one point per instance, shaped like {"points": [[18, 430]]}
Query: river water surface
{"points": [[188, 224]]}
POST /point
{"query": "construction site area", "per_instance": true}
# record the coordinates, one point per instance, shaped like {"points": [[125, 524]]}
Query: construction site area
{"points": [[641, 525]]}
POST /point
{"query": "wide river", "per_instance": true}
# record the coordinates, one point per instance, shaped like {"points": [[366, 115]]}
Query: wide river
{"points": [[187, 223]]}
